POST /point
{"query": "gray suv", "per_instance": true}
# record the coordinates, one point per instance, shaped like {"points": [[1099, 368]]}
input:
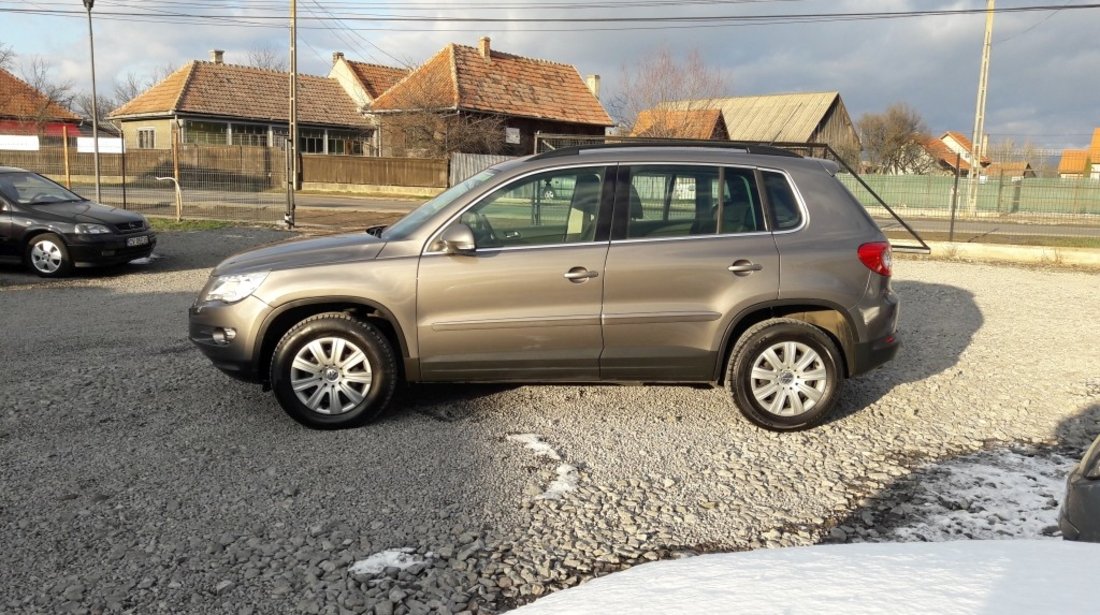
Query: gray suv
{"points": [[745, 266]]}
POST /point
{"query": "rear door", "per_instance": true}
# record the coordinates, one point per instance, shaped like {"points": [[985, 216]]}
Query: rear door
{"points": [[526, 305], [689, 250]]}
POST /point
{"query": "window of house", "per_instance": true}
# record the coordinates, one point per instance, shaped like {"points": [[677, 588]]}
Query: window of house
{"points": [[347, 142], [549, 208], [250, 134], [685, 201], [782, 200], [147, 138], [206, 133], [311, 141]]}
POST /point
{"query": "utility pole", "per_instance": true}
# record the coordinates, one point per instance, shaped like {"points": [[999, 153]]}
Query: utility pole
{"points": [[977, 147], [95, 106], [292, 181]]}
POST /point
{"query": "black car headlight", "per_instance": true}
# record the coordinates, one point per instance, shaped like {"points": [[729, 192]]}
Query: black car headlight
{"points": [[91, 229]]}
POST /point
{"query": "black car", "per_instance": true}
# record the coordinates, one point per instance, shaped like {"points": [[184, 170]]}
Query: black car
{"points": [[52, 229]]}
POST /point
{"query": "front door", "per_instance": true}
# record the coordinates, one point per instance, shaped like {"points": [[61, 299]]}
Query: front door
{"points": [[690, 250], [526, 304]]}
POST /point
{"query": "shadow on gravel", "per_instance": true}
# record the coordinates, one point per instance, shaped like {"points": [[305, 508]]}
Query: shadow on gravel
{"points": [[936, 325], [442, 402], [1003, 491]]}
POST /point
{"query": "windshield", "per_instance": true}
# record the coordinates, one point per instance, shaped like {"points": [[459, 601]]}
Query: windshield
{"points": [[405, 226], [33, 189]]}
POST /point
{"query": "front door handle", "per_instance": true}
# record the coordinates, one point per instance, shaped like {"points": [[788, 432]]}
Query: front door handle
{"points": [[744, 267], [580, 274]]}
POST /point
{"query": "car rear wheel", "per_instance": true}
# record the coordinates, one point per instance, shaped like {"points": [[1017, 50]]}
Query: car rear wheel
{"points": [[333, 371], [784, 374], [48, 256]]}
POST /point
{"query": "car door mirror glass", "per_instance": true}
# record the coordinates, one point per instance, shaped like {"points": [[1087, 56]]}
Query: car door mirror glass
{"points": [[458, 239]]}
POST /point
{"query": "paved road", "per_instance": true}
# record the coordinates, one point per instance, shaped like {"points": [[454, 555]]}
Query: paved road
{"points": [[134, 477]]}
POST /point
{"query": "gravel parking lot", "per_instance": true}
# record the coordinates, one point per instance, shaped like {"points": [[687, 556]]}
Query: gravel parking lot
{"points": [[137, 478]]}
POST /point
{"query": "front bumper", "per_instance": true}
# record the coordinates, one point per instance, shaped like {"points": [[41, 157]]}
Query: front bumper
{"points": [[107, 249], [207, 327]]}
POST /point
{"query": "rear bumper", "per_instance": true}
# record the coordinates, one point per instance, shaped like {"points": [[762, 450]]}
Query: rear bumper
{"points": [[869, 355]]}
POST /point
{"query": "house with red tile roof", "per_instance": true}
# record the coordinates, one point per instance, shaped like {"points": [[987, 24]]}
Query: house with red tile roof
{"points": [[479, 100], [27, 112], [952, 149], [958, 143], [225, 104], [1074, 164], [363, 81], [681, 124]]}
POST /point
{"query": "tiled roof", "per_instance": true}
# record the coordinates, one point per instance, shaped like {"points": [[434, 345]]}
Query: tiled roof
{"points": [[376, 78], [459, 78], [1009, 169], [1094, 147], [964, 142], [694, 124], [246, 93], [938, 150], [771, 117], [1073, 162], [19, 100]]}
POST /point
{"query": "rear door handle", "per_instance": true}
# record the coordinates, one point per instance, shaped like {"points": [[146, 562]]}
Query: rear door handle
{"points": [[744, 267], [579, 274]]}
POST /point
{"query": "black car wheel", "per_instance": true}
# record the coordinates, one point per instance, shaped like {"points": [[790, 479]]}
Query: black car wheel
{"points": [[333, 371], [48, 256], [784, 375]]}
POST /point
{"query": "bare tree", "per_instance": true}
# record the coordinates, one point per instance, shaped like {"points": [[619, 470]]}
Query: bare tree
{"points": [[82, 105], [56, 96], [7, 56], [664, 88], [267, 57], [892, 140], [426, 124]]}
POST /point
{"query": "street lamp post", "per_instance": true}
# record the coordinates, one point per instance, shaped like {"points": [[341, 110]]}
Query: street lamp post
{"points": [[95, 104]]}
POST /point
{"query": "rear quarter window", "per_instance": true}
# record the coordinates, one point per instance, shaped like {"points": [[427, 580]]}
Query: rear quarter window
{"points": [[785, 212]]}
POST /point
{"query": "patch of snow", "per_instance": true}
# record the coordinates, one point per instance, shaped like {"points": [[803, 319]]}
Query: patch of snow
{"points": [[535, 443], [1021, 577], [989, 495], [566, 482], [393, 558]]}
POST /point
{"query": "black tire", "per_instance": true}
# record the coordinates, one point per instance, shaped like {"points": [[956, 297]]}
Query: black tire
{"points": [[333, 383], [48, 256], [790, 405]]}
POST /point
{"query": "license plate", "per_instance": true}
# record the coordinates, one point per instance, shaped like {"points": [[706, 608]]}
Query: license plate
{"points": [[137, 241]]}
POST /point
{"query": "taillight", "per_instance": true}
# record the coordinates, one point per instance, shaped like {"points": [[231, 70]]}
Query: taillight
{"points": [[876, 256]]}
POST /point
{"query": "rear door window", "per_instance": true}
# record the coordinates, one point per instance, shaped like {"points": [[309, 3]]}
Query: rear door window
{"points": [[686, 201]]}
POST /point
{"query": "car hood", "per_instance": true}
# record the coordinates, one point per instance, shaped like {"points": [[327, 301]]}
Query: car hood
{"points": [[296, 253], [83, 212]]}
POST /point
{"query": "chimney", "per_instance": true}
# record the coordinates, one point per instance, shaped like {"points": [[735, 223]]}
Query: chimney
{"points": [[483, 48], [337, 56], [593, 83], [217, 56]]}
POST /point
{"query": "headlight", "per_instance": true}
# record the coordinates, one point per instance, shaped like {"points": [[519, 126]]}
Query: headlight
{"points": [[233, 288], [91, 229]]}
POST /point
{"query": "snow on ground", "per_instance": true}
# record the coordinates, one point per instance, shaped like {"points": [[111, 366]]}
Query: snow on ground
{"points": [[567, 474], [394, 558], [988, 495], [1022, 577], [535, 443], [941, 548]]}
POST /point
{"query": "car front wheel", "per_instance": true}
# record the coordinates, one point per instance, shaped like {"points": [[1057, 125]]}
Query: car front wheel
{"points": [[333, 371], [48, 256], [784, 374]]}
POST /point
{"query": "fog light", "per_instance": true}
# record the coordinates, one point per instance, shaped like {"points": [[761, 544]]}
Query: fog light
{"points": [[223, 336]]}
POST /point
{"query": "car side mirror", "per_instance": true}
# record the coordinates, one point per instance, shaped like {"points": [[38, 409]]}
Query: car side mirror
{"points": [[458, 239]]}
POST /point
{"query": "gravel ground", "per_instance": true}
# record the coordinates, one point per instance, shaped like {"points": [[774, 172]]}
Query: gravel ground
{"points": [[137, 478]]}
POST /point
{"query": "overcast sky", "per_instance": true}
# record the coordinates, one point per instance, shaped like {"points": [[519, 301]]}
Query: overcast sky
{"points": [[1043, 77]]}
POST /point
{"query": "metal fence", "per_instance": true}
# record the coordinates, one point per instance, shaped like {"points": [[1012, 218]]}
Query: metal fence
{"points": [[234, 183]]}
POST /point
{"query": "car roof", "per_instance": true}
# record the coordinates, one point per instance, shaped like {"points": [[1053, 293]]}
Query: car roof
{"points": [[12, 170]]}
